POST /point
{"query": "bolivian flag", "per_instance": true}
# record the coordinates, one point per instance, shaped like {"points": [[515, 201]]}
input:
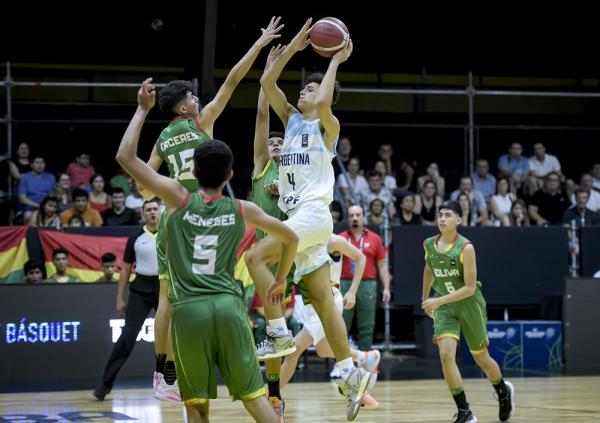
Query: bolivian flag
{"points": [[241, 271], [13, 253], [84, 251]]}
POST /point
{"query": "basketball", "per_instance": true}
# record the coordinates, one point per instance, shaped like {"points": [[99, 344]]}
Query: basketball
{"points": [[328, 36]]}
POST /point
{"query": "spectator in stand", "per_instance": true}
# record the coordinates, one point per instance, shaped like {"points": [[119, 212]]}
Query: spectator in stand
{"points": [[109, 268], [60, 258], [34, 271], [121, 180], [118, 214], [377, 220], [548, 205], [47, 215], [81, 171], [501, 203], [587, 183], [353, 191], [99, 199], [427, 203], [433, 174], [337, 212], [21, 165], [81, 208], [135, 201], [34, 186], [257, 316], [376, 190], [596, 177], [580, 213], [343, 152], [407, 215], [518, 214], [76, 221], [388, 181], [514, 166], [62, 191], [469, 215], [540, 164], [405, 172], [478, 205], [483, 180]]}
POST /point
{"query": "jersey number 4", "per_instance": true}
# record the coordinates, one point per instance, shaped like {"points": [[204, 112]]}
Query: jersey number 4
{"points": [[207, 255], [186, 158]]}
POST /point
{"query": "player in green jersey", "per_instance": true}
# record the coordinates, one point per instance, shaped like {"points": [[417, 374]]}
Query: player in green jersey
{"points": [[188, 128], [209, 323], [458, 305], [267, 153]]}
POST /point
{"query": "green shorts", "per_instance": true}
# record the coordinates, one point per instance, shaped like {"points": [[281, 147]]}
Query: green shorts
{"points": [[469, 316], [161, 247], [212, 331]]}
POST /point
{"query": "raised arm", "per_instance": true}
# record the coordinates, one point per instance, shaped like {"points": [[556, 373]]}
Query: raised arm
{"points": [[154, 162], [171, 192], [213, 110], [256, 217], [324, 100], [268, 82], [261, 127], [340, 244]]}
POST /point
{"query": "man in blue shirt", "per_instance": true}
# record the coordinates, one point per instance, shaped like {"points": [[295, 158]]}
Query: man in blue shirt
{"points": [[514, 166], [34, 186], [483, 180]]}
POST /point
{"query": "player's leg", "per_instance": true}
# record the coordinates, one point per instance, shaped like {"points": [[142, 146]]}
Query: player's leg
{"points": [[163, 346], [446, 336], [354, 380], [259, 258], [196, 355], [237, 358], [288, 367], [197, 413], [260, 410], [474, 325]]}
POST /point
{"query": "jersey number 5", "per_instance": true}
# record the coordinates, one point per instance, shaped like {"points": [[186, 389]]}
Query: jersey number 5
{"points": [[208, 256], [186, 158]]}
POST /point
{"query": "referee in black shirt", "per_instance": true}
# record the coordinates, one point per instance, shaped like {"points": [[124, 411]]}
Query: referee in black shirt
{"points": [[143, 292]]}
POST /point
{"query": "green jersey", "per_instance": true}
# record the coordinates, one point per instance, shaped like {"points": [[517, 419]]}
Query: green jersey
{"points": [[446, 266], [263, 198], [204, 235], [176, 145]]}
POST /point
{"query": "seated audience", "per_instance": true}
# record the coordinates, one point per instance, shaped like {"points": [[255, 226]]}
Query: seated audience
{"points": [[81, 208], [47, 215], [548, 205], [427, 203], [501, 203]]}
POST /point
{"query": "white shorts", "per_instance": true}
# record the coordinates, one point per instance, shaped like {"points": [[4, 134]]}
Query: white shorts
{"points": [[312, 223], [311, 322]]}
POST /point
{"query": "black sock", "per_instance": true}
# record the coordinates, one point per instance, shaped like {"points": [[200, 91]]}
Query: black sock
{"points": [[273, 385], [501, 389], [461, 401], [170, 374], [160, 363]]}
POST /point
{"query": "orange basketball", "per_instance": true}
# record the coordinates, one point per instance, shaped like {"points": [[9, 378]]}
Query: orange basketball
{"points": [[328, 36]]}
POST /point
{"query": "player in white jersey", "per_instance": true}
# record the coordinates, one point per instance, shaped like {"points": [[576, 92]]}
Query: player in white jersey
{"points": [[306, 189], [312, 331]]}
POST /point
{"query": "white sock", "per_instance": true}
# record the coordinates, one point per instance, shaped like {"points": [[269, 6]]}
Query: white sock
{"points": [[278, 326], [345, 366], [361, 356]]}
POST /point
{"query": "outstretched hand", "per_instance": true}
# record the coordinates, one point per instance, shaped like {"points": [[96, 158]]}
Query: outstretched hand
{"points": [[302, 40], [146, 96], [343, 55], [270, 32], [274, 54]]}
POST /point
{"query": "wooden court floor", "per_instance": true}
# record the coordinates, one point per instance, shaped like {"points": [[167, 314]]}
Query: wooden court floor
{"points": [[547, 400]]}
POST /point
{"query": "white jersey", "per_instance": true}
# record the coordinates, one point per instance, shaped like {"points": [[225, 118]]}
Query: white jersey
{"points": [[305, 170]]}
